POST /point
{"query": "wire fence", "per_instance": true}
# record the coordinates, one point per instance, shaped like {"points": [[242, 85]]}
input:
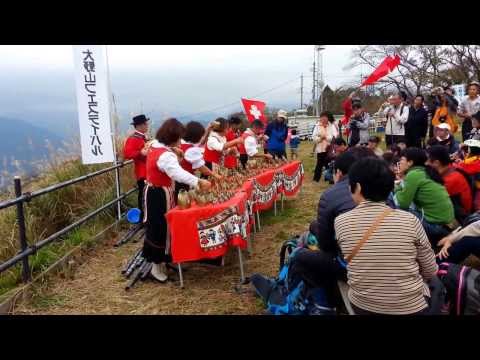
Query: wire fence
{"points": [[21, 198]]}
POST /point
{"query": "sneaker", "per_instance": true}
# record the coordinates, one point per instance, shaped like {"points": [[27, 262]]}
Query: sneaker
{"points": [[159, 272]]}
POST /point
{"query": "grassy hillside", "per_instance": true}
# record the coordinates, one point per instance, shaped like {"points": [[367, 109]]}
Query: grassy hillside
{"points": [[48, 214]]}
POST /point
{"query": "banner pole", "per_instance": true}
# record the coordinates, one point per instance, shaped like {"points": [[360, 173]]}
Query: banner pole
{"points": [[113, 127]]}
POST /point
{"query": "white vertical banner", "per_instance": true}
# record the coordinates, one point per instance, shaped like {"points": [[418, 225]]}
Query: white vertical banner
{"points": [[93, 102]]}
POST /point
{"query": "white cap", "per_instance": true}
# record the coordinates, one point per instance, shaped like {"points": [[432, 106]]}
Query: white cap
{"points": [[472, 143], [282, 114], [444, 126]]}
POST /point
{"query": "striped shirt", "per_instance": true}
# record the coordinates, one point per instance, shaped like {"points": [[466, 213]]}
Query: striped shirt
{"points": [[388, 274]]}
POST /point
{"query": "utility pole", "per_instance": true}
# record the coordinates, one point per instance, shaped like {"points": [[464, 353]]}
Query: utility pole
{"points": [[320, 48], [314, 84], [320, 65], [301, 91]]}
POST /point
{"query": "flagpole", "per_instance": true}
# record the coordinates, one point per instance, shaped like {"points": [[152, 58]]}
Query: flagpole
{"points": [[113, 129]]}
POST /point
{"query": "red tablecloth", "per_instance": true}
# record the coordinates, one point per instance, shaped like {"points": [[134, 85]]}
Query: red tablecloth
{"points": [[292, 178], [206, 232], [268, 186]]}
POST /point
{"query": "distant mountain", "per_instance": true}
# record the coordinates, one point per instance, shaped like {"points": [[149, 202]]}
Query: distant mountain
{"points": [[21, 146]]}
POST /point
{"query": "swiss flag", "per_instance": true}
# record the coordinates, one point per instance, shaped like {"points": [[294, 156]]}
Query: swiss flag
{"points": [[387, 65], [255, 110]]}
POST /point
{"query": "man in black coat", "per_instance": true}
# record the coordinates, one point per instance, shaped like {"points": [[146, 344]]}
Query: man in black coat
{"points": [[417, 124], [322, 268], [333, 202]]}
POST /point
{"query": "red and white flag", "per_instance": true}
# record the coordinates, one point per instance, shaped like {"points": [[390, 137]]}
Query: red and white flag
{"points": [[255, 110], [387, 65]]}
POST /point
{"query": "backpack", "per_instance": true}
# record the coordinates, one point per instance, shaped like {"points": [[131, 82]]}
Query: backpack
{"points": [[463, 288], [305, 240], [287, 294], [329, 171]]}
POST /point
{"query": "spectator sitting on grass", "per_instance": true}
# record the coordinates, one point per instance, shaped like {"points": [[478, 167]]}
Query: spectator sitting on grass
{"points": [[402, 145], [395, 150], [373, 143], [392, 160], [320, 268], [333, 202], [455, 182], [444, 138], [339, 147], [423, 194], [471, 166], [459, 245], [388, 273]]}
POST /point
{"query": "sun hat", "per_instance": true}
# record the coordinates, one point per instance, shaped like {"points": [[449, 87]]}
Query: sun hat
{"points": [[444, 126]]}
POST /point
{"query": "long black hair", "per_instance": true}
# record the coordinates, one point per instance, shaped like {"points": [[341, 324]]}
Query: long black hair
{"points": [[419, 157]]}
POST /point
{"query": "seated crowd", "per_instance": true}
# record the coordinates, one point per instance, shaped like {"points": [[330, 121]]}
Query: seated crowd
{"points": [[391, 217]]}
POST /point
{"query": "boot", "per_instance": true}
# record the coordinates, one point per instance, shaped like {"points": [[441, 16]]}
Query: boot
{"points": [[159, 272]]}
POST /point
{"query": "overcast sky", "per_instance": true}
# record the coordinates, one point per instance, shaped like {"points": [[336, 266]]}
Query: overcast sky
{"points": [[169, 79]]}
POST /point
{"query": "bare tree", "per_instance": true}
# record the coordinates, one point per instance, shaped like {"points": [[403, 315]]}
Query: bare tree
{"points": [[421, 68], [464, 61]]}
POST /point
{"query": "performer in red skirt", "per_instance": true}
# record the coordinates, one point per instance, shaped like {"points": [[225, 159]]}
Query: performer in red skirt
{"points": [[249, 145], [192, 159], [163, 169], [217, 144], [232, 133]]}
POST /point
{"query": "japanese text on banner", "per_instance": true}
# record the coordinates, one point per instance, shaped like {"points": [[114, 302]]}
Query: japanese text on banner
{"points": [[93, 102]]}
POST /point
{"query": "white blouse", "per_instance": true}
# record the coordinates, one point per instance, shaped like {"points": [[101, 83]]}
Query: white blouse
{"points": [[251, 145], [216, 142], [168, 163], [194, 156]]}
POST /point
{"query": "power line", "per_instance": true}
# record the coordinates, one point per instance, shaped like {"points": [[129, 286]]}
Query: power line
{"points": [[236, 102]]}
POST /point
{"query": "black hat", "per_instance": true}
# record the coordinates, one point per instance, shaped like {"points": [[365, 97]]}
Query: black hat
{"points": [[139, 119]]}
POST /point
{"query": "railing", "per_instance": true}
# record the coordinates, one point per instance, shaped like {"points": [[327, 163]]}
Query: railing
{"points": [[21, 198], [379, 123]]}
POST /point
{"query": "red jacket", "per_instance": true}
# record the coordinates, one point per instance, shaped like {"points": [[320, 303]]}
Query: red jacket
{"points": [[457, 185], [471, 165], [132, 150]]}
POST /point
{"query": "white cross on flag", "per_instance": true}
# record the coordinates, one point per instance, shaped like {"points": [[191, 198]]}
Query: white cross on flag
{"points": [[255, 110]]}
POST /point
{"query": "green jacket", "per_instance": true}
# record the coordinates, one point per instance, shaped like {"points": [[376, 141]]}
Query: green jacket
{"points": [[426, 194]]}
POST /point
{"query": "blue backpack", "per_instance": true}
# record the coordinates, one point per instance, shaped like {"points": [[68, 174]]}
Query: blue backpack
{"points": [[288, 295]]}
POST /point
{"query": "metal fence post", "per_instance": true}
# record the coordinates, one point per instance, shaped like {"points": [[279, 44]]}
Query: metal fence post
{"points": [[21, 230], [117, 185]]}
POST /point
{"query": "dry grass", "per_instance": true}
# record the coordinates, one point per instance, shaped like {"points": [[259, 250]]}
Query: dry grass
{"points": [[49, 213], [98, 286]]}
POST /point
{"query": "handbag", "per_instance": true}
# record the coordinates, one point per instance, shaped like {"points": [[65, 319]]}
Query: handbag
{"points": [[367, 234]]}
